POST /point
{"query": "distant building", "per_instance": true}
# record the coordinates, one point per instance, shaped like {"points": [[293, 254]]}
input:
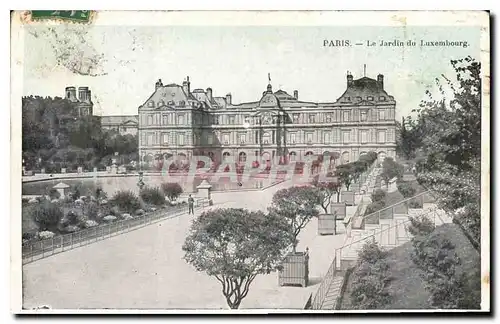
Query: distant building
{"points": [[177, 121], [123, 124], [83, 103]]}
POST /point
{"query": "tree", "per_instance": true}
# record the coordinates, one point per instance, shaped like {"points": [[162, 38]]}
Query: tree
{"points": [[172, 190], [345, 174], [297, 205], [391, 169], [236, 245], [406, 189], [326, 189], [451, 144]]}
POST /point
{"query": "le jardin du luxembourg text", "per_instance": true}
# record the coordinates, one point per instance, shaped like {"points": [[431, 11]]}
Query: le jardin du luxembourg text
{"points": [[395, 43]]}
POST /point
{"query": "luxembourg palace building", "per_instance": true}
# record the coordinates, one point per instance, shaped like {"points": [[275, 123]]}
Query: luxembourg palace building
{"points": [[178, 121]]}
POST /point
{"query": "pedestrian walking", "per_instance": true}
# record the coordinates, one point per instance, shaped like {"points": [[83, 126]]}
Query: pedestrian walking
{"points": [[191, 205]]}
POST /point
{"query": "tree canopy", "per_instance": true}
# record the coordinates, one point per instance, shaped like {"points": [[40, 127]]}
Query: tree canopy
{"points": [[296, 205], [236, 245]]}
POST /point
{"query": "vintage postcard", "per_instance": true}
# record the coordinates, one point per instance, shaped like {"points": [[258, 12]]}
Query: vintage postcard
{"points": [[250, 161]]}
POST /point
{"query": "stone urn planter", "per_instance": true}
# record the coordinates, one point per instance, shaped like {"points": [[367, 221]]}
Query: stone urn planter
{"points": [[339, 208], [295, 271], [327, 224], [347, 197]]}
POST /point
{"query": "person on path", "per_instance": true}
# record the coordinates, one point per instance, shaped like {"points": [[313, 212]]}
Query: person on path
{"points": [[191, 205]]}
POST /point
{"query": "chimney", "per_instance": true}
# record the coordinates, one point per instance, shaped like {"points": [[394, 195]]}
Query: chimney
{"points": [[209, 94], [349, 79], [158, 84], [228, 99], [186, 86], [296, 94], [82, 93], [71, 93], [380, 81]]}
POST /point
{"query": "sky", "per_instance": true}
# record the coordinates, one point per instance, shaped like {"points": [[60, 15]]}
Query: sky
{"points": [[128, 60]]}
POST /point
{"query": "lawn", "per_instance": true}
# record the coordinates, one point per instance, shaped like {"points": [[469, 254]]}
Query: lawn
{"points": [[407, 288]]}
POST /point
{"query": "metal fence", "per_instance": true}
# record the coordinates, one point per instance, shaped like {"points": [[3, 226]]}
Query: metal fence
{"points": [[347, 255], [32, 251]]}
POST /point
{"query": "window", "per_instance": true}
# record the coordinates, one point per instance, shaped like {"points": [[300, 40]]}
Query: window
{"points": [[390, 135], [381, 98], [336, 136], [312, 118], [326, 137], [381, 114], [180, 120], [150, 119], [164, 119], [266, 138], [164, 138], [226, 138], [309, 137], [370, 98], [346, 115], [216, 120], [150, 139], [359, 98], [295, 118], [364, 136], [293, 138], [346, 137], [363, 115], [210, 139], [328, 118], [243, 138], [348, 98], [180, 139], [231, 120], [293, 156], [143, 139], [381, 136]]}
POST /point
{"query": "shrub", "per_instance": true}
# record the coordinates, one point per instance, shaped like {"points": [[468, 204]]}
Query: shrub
{"points": [[90, 223], [127, 216], [374, 206], [75, 192], [109, 218], [414, 203], [378, 195], [172, 190], [71, 218], [43, 235], [71, 229], [420, 226], [406, 189], [91, 209], [139, 212], [54, 194], [47, 215], [370, 279], [125, 201], [152, 196]]}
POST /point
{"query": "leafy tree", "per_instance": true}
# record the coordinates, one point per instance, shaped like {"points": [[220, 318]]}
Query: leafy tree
{"points": [[326, 189], [297, 205], [390, 170], [451, 166], [345, 174], [236, 245], [370, 279], [172, 190]]}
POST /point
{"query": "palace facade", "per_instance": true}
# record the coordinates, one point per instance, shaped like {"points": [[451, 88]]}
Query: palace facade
{"points": [[178, 121]]}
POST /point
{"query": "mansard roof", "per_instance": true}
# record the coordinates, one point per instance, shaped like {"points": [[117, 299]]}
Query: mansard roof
{"points": [[361, 89], [119, 119]]}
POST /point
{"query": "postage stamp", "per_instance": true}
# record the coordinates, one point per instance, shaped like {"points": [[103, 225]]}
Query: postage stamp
{"points": [[250, 162]]}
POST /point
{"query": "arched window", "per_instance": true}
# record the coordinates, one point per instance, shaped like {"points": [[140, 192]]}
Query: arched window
{"points": [[266, 138], [293, 156], [242, 157]]}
